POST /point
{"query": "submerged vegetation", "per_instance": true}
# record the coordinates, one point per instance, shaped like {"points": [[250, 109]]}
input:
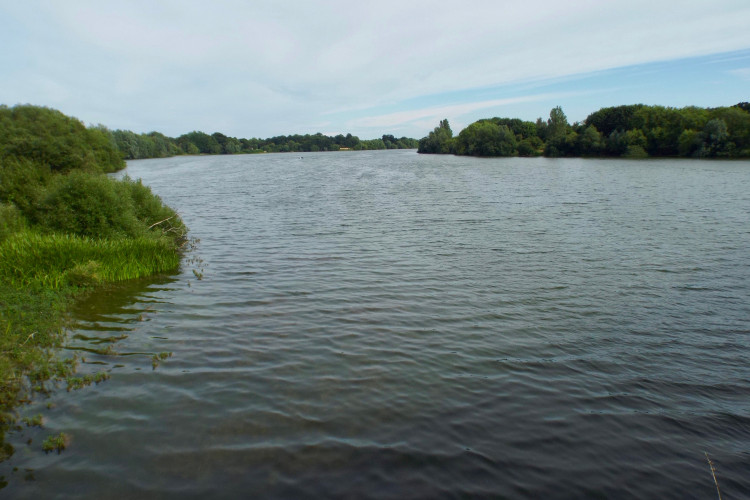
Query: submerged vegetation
{"points": [[56, 443], [636, 131], [65, 227]]}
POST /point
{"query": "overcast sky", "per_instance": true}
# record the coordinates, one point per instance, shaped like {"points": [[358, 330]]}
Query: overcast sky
{"points": [[262, 68]]}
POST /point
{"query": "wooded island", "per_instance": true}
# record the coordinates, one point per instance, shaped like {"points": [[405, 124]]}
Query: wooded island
{"points": [[633, 131]]}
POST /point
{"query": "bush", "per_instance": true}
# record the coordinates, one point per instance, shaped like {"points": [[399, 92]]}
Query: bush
{"points": [[97, 206], [635, 152], [51, 138], [11, 220], [152, 212], [22, 181], [87, 205]]}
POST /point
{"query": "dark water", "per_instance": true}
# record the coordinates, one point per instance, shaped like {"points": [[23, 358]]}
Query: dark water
{"points": [[390, 325]]}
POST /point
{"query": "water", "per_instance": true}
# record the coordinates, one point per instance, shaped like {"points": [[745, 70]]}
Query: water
{"points": [[393, 325]]}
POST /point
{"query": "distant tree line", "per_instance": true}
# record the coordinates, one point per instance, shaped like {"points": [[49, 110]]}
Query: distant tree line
{"points": [[156, 145], [634, 131]]}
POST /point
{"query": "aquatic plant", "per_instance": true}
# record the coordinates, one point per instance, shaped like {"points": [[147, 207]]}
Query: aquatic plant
{"points": [[75, 383], [157, 358], [713, 474], [35, 421], [58, 442]]}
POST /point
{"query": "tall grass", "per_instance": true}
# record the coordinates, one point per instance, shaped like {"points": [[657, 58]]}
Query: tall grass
{"points": [[56, 260]]}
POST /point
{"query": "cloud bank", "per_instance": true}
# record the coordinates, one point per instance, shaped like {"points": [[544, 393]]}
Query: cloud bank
{"points": [[266, 68]]}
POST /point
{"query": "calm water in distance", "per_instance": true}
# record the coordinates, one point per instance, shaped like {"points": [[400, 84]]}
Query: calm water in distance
{"points": [[393, 325]]}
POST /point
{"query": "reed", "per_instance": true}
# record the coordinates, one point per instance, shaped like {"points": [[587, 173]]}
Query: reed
{"points": [[713, 474], [57, 260]]}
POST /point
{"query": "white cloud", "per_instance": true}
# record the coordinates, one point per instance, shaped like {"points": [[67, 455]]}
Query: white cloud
{"points": [[277, 67], [438, 112]]}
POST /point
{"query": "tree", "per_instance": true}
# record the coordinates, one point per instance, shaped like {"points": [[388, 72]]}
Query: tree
{"points": [[590, 142], [63, 143], [688, 142], [205, 143], [716, 139], [531, 146], [486, 138], [560, 138], [557, 125], [439, 141], [607, 120]]}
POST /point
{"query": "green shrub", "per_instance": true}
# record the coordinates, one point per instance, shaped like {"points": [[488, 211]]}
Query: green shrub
{"points": [[97, 206], [11, 220], [635, 152], [22, 181], [87, 205], [51, 138], [157, 217], [64, 227]]}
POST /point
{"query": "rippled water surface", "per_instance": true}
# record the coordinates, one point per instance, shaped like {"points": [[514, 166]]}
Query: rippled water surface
{"points": [[393, 325]]}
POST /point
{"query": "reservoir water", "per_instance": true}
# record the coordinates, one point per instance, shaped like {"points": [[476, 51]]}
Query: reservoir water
{"points": [[393, 325]]}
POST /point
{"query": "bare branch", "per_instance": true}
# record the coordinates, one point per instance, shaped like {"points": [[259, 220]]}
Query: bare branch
{"points": [[165, 220]]}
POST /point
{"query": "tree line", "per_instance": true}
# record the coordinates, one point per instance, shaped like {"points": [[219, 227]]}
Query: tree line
{"points": [[156, 145], [631, 131]]}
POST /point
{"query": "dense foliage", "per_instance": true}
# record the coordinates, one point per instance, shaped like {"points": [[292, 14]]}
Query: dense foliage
{"points": [[51, 181], [156, 145], [59, 142], [65, 227], [634, 131]]}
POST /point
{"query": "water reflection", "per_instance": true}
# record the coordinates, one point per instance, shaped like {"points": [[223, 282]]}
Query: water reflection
{"points": [[105, 320], [106, 334]]}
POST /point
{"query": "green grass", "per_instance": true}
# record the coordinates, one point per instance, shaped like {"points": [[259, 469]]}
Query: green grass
{"points": [[40, 276], [55, 261]]}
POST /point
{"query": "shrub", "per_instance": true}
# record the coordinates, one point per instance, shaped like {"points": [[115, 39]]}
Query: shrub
{"points": [[635, 152], [87, 205], [152, 213], [51, 138], [22, 181], [11, 220], [97, 206]]}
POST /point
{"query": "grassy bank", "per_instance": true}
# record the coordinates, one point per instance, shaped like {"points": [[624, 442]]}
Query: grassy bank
{"points": [[65, 229], [41, 276], [55, 261]]}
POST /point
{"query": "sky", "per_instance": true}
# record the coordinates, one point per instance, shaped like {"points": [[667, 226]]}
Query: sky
{"points": [[262, 68]]}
